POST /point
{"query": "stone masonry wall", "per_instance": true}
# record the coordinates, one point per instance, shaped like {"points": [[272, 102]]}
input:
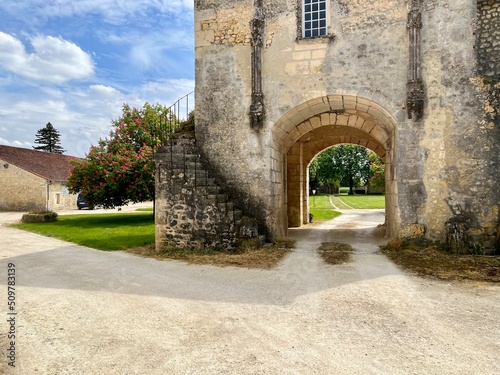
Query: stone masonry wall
{"points": [[444, 165], [21, 190], [24, 191], [488, 38], [294, 71], [460, 151], [192, 209], [60, 198], [225, 26]]}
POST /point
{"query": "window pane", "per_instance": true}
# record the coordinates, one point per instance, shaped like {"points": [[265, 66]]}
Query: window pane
{"points": [[314, 18]]}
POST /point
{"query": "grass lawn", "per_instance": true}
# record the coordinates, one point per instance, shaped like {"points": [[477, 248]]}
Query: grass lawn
{"points": [[337, 201], [363, 201], [321, 208], [100, 231], [135, 233]]}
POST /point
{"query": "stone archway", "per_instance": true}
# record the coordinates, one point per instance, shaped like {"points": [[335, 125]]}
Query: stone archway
{"points": [[317, 124]]}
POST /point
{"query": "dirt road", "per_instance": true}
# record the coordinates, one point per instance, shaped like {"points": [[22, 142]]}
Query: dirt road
{"points": [[83, 311]]}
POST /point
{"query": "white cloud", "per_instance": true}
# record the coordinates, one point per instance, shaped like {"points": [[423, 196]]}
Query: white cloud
{"points": [[81, 114], [53, 59], [22, 144], [15, 143], [172, 92], [167, 91], [104, 90]]}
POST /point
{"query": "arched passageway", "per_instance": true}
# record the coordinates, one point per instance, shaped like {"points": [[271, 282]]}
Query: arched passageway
{"points": [[308, 129]]}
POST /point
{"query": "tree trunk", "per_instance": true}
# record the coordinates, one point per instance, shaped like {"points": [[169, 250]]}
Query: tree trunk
{"points": [[351, 185]]}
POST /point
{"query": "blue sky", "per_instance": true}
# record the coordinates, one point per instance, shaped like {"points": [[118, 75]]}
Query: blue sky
{"points": [[75, 62]]}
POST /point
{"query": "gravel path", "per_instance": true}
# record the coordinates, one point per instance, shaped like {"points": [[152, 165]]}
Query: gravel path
{"points": [[83, 311]]}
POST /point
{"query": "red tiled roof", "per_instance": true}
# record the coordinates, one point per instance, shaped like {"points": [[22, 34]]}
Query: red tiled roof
{"points": [[54, 167]]}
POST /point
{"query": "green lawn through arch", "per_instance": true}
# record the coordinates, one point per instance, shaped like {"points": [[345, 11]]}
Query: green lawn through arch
{"points": [[326, 207]]}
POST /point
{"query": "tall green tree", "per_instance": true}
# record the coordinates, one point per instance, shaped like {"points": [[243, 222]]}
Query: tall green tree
{"points": [[347, 164], [49, 140], [121, 168], [322, 174]]}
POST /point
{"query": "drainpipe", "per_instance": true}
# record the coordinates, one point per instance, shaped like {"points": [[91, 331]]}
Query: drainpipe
{"points": [[48, 194]]}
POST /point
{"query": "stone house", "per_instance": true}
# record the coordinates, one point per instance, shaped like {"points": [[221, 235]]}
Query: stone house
{"points": [[417, 82], [34, 181]]}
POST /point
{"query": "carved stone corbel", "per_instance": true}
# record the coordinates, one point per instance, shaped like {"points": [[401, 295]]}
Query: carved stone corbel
{"points": [[415, 93], [257, 26]]}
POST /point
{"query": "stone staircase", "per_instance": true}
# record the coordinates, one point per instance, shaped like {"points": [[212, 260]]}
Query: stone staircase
{"points": [[194, 210]]}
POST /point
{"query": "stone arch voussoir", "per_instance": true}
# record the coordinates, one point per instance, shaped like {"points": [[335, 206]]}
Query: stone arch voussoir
{"points": [[340, 110], [317, 124]]}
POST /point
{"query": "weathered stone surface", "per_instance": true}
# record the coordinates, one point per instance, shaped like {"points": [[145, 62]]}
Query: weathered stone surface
{"points": [[193, 212], [488, 38], [21, 190], [350, 87], [248, 228], [412, 231]]}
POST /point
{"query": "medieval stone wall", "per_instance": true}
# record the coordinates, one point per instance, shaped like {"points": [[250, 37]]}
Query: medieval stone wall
{"points": [[294, 70], [442, 165], [488, 38], [460, 156], [193, 210]]}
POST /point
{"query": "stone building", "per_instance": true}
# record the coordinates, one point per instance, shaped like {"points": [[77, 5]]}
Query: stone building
{"points": [[279, 81], [34, 181]]}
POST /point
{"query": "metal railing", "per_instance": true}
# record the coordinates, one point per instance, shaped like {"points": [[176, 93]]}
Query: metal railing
{"points": [[174, 117], [181, 109]]}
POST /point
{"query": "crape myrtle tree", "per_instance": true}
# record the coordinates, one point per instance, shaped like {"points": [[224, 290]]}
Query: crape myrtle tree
{"points": [[48, 139], [344, 164], [121, 168]]}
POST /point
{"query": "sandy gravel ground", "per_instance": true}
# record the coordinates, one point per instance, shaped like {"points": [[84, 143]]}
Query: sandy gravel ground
{"points": [[83, 311]]}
